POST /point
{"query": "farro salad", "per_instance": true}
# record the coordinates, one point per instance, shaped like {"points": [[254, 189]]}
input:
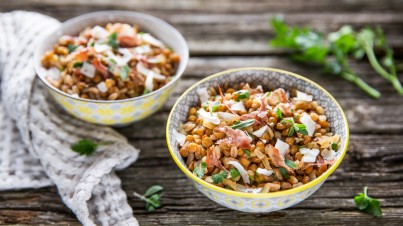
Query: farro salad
{"points": [[253, 141], [114, 62]]}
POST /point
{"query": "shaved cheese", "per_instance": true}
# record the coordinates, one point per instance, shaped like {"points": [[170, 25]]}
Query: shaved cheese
{"points": [[282, 147], [156, 60], [179, 137], [146, 37], [242, 171], [203, 94], [265, 172], [309, 154], [262, 114], [303, 96], [328, 154], [102, 87], [309, 123], [207, 116], [88, 70], [227, 116], [149, 83], [127, 30], [260, 131], [74, 95], [143, 49], [145, 71], [99, 32], [53, 73], [120, 60], [238, 107], [99, 48]]}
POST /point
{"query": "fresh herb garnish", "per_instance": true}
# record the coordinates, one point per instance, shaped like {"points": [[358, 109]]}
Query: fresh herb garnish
{"points": [[334, 51], [215, 107], [151, 197], [247, 152], [146, 90], [234, 173], [112, 40], [113, 61], [291, 164], [284, 173], [71, 48], [219, 177], [199, 170], [334, 146], [242, 94], [78, 64], [86, 146], [369, 205], [124, 72], [243, 124], [299, 128], [279, 113]]}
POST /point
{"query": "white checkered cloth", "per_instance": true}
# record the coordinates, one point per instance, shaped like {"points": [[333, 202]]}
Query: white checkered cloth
{"points": [[35, 135]]}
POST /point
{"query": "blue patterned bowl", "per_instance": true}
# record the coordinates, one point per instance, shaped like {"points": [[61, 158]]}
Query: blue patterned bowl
{"points": [[270, 79]]}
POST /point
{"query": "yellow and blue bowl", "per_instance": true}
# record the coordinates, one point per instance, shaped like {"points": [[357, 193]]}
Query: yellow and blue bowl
{"points": [[270, 79], [116, 112]]}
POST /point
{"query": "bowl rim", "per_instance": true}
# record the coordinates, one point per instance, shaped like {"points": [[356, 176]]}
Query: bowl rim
{"points": [[36, 58], [258, 195]]}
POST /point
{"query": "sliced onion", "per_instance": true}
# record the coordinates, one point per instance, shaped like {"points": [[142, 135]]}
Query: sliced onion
{"points": [[203, 94], [99, 32], [102, 87], [88, 70], [145, 71], [309, 154], [179, 137], [328, 154], [260, 131], [238, 107], [303, 96], [53, 73], [242, 188], [265, 172], [281, 146], [242, 171], [207, 116], [143, 49], [309, 123], [227, 116], [151, 40], [149, 83], [99, 48]]}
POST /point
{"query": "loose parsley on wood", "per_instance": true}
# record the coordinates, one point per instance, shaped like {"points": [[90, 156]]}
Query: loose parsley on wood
{"points": [[86, 146], [332, 52], [369, 205], [152, 197]]}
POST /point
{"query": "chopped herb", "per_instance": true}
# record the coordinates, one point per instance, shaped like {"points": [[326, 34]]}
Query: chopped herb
{"points": [[234, 173], [247, 152], [151, 197], [199, 170], [219, 177], [291, 131], [124, 72], [215, 107], [279, 113], [242, 94], [71, 48], [146, 90], [266, 94], [334, 146], [141, 33], [290, 164], [257, 177], [112, 40], [369, 205], [78, 64], [84, 147], [205, 105], [284, 173], [243, 124], [113, 61], [299, 128]]}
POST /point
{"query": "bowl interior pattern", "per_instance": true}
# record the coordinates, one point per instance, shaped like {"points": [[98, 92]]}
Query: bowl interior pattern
{"points": [[270, 79]]}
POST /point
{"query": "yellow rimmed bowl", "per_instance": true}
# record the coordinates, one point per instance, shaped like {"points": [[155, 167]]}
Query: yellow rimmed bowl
{"points": [[116, 112], [270, 79]]}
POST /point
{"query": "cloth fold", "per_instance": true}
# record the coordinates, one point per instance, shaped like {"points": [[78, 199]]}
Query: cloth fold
{"points": [[36, 135]]}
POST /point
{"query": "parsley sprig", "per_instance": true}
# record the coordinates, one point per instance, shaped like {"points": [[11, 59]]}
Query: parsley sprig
{"points": [[219, 177], [200, 169], [369, 205], [295, 127], [152, 197], [112, 40], [333, 51]]}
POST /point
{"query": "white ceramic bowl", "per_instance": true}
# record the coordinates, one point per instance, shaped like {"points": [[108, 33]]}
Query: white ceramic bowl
{"points": [[116, 112]]}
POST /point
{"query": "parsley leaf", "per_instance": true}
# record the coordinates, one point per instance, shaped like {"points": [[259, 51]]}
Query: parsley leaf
{"points": [[369, 205], [334, 146], [78, 64], [151, 197], [284, 173], [247, 152], [71, 48], [146, 90], [234, 173], [219, 177], [290, 164], [84, 147], [124, 72], [242, 94], [300, 128], [295, 127], [112, 40], [199, 170], [279, 113], [215, 106], [243, 124]]}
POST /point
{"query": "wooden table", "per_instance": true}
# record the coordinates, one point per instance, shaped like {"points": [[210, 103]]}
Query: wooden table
{"points": [[225, 34]]}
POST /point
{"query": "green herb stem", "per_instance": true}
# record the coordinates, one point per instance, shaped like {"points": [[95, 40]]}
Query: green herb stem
{"points": [[361, 84]]}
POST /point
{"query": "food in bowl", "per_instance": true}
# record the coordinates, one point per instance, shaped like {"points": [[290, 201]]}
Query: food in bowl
{"points": [[114, 62], [249, 140]]}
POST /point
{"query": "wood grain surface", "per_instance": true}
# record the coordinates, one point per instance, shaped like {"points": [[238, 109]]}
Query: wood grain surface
{"points": [[224, 34]]}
